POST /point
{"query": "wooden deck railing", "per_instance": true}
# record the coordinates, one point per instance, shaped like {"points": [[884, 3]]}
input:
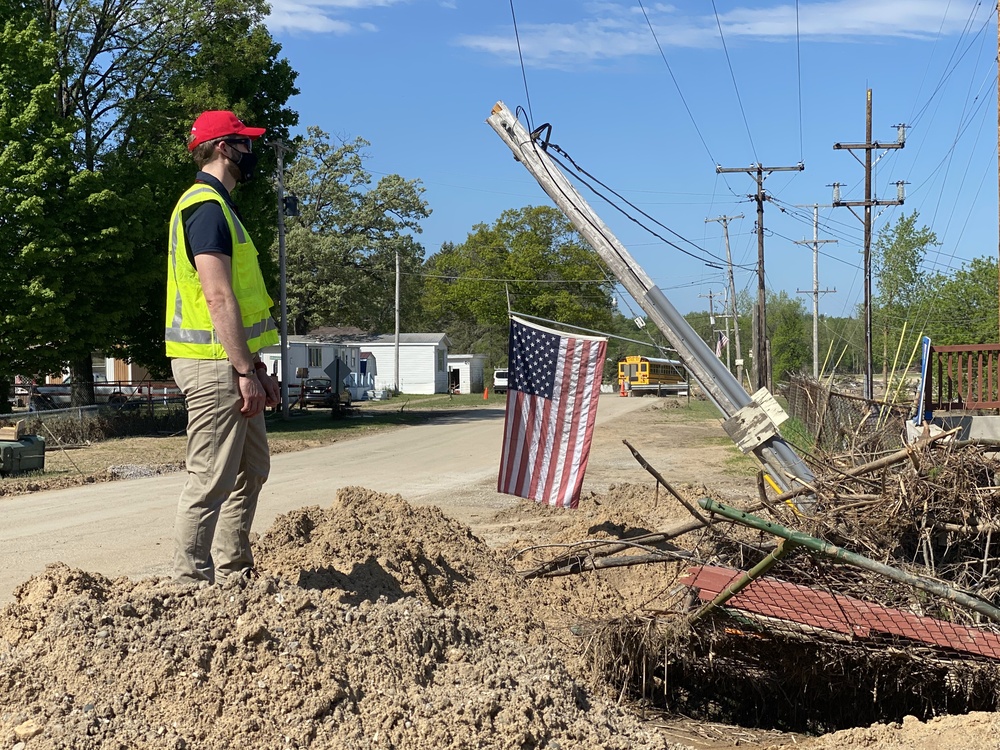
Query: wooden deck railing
{"points": [[963, 376]]}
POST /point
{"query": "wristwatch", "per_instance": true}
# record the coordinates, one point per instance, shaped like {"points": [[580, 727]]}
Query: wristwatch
{"points": [[250, 374]]}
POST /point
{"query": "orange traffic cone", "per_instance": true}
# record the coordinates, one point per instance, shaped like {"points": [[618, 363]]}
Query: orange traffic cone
{"points": [[622, 384], [486, 394]]}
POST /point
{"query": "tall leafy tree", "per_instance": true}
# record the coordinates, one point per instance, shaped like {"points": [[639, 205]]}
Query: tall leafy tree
{"points": [[341, 251], [962, 308], [35, 149], [896, 257], [789, 334], [530, 257], [131, 76]]}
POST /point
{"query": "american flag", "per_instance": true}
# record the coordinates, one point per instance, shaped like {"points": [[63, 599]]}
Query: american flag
{"points": [[555, 380], [721, 343]]}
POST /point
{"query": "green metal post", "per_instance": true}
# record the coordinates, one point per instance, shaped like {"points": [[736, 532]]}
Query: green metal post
{"points": [[851, 558]]}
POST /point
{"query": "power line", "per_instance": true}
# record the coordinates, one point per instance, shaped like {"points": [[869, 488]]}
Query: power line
{"points": [[676, 85], [732, 74], [524, 75]]}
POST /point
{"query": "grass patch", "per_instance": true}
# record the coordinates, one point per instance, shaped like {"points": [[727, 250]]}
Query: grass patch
{"points": [[735, 462], [694, 410]]}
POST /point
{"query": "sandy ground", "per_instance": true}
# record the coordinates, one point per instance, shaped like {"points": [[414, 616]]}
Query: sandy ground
{"points": [[381, 620], [124, 528]]}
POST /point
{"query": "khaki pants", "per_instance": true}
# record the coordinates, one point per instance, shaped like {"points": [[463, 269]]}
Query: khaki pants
{"points": [[227, 464]]}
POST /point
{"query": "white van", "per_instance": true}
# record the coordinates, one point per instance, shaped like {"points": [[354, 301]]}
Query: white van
{"points": [[499, 381]]}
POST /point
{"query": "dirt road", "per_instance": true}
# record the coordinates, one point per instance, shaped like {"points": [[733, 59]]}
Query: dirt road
{"points": [[124, 528]]}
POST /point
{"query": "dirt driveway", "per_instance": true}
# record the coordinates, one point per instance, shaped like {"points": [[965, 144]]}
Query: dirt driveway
{"points": [[124, 528]]}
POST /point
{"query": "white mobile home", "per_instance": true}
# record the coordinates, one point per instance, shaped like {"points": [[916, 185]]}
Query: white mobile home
{"points": [[423, 361], [313, 357], [465, 372]]}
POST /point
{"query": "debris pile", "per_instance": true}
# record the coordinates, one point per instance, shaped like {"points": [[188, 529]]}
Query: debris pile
{"points": [[372, 625], [878, 600]]}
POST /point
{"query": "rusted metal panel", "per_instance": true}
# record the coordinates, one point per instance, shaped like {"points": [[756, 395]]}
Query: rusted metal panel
{"points": [[839, 613]]}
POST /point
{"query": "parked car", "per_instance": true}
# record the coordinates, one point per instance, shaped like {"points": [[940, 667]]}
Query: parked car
{"points": [[319, 392], [500, 381]]}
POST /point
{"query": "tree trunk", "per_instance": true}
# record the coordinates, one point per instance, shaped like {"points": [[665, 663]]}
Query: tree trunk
{"points": [[6, 387], [82, 377]]}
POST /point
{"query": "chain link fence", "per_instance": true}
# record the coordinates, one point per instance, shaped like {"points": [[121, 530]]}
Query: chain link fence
{"points": [[841, 423]]}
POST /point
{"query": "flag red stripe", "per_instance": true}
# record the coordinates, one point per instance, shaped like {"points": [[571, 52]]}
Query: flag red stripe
{"points": [[546, 441]]}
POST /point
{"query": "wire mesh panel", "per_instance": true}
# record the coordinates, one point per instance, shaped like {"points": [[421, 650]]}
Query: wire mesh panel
{"points": [[841, 423]]}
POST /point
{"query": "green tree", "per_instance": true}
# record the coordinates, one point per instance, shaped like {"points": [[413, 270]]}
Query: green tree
{"points": [[530, 258], [789, 332], [341, 251], [896, 257], [963, 306], [34, 154], [131, 76]]}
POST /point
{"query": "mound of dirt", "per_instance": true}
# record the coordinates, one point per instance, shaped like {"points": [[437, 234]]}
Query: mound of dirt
{"points": [[369, 545], [373, 625]]}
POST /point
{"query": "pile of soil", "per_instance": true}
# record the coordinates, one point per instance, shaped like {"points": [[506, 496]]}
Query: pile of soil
{"points": [[372, 625]]}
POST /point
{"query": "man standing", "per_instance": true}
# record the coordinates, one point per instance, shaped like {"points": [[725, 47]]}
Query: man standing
{"points": [[218, 318]]}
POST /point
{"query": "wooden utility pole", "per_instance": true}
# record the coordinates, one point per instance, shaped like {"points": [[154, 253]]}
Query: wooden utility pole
{"points": [[868, 146], [816, 291], [998, 171], [279, 151], [724, 220], [761, 360], [739, 409]]}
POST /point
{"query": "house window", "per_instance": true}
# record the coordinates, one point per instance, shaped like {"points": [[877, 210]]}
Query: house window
{"points": [[315, 356], [442, 360]]}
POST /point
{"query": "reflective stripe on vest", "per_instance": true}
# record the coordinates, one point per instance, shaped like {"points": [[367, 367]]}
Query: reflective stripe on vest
{"points": [[189, 332]]}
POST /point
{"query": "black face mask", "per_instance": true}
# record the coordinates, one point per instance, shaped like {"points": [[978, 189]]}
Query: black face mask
{"points": [[246, 163]]}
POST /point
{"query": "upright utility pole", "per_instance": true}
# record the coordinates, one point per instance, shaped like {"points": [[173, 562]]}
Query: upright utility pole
{"points": [[761, 362], [868, 146], [816, 291], [998, 171], [279, 152], [395, 372], [711, 317], [724, 220]]}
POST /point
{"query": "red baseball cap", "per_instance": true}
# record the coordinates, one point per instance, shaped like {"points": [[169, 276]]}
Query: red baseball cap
{"points": [[216, 124]]}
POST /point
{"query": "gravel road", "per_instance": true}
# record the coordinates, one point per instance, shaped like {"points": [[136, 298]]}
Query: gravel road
{"points": [[125, 528]]}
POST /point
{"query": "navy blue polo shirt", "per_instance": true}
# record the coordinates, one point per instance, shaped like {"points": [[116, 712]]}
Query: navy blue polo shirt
{"points": [[205, 226]]}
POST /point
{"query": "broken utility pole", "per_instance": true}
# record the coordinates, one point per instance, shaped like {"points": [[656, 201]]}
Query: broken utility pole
{"points": [[868, 146], [761, 352], [750, 422]]}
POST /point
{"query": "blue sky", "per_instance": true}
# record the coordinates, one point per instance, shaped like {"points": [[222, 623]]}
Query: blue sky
{"points": [[649, 97]]}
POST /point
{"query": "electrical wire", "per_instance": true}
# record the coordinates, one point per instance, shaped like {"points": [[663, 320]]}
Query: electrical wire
{"points": [[798, 74], [581, 171], [736, 87], [680, 93], [524, 75]]}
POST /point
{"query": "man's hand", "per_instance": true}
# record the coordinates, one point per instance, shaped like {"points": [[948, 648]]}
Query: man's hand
{"points": [[271, 392], [253, 397]]}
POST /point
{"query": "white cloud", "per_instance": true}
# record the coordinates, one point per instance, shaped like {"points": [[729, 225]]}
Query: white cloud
{"points": [[612, 30], [322, 16]]}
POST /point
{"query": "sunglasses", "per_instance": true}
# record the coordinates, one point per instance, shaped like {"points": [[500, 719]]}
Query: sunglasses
{"points": [[240, 142]]}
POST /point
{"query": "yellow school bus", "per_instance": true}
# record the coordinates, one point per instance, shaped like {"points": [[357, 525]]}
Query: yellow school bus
{"points": [[638, 373]]}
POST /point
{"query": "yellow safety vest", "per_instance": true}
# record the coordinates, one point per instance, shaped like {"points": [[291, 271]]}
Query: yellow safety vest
{"points": [[189, 330]]}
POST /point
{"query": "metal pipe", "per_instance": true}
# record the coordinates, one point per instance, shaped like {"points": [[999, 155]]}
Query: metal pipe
{"points": [[840, 554]]}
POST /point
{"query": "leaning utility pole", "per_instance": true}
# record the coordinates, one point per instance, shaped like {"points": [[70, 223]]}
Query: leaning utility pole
{"points": [[761, 360], [816, 291], [724, 220], [868, 146], [750, 421]]}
